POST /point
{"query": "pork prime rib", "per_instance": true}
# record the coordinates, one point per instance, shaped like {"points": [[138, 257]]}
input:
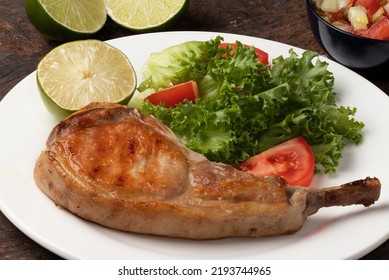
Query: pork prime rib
{"points": [[112, 165]]}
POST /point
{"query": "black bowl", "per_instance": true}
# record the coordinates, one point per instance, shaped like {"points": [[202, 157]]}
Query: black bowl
{"points": [[365, 55]]}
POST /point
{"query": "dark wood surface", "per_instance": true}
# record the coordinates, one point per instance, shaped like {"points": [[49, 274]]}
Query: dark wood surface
{"points": [[21, 48]]}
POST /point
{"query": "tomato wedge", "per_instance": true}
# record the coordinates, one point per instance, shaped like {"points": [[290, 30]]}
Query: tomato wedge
{"points": [[292, 160], [175, 95], [262, 55]]}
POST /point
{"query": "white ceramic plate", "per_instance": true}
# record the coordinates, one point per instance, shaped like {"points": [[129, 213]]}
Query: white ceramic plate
{"points": [[333, 233]]}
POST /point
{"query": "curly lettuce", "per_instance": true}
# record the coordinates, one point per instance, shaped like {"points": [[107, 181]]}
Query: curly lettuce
{"points": [[246, 107]]}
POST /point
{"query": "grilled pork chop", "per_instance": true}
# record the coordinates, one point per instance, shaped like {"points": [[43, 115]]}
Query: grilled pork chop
{"points": [[111, 165]]}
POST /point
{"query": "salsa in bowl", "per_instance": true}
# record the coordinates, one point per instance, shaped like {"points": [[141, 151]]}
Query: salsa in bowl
{"points": [[366, 18], [360, 53]]}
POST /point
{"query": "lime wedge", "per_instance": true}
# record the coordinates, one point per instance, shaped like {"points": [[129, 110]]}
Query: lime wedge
{"points": [[64, 20], [76, 73], [147, 15]]}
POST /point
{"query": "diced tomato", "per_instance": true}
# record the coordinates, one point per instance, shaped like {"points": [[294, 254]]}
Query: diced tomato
{"points": [[379, 30], [262, 55], [175, 95], [292, 160], [371, 6], [336, 16]]}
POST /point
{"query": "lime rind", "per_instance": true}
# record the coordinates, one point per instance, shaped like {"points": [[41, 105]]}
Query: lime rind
{"points": [[58, 112], [60, 21], [61, 113]]}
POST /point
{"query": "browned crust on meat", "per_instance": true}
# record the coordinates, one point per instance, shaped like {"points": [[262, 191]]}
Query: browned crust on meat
{"points": [[113, 166]]}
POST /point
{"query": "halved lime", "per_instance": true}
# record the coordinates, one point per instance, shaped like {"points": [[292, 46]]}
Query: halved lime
{"points": [[76, 73], [146, 15], [64, 20]]}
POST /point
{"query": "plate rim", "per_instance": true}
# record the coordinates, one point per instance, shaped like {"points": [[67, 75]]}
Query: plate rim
{"points": [[63, 253]]}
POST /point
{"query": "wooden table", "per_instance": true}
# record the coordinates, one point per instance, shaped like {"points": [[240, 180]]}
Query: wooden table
{"points": [[21, 48]]}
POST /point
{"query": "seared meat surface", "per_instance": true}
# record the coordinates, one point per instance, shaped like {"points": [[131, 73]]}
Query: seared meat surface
{"points": [[111, 165]]}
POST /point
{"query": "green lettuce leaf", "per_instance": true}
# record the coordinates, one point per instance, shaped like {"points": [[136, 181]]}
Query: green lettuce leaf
{"points": [[177, 64], [246, 107]]}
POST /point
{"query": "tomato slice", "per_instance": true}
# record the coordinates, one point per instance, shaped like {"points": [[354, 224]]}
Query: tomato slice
{"points": [[292, 160], [175, 95], [262, 55]]}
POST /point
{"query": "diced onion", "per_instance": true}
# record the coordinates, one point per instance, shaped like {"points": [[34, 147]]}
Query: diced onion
{"points": [[386, 8], [378, 15], [330, 6], [344, 3], [358, 17]]}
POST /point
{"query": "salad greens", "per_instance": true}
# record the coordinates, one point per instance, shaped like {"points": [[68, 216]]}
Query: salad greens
{"points": [[246, 107]]}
